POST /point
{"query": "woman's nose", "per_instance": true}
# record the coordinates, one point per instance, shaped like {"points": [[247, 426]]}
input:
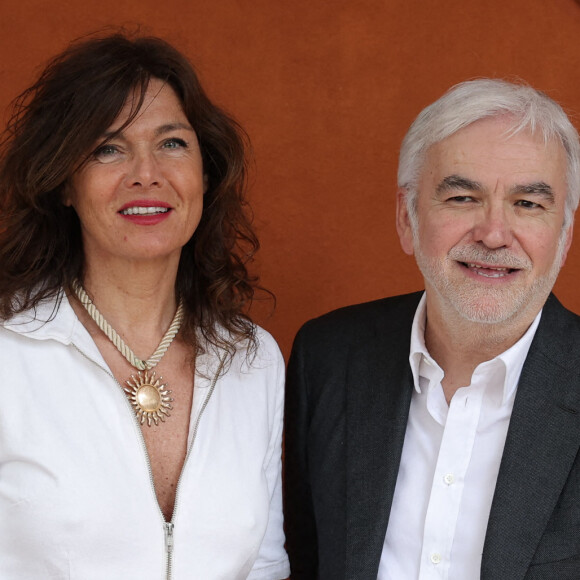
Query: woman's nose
{"points": [[144, 171]]}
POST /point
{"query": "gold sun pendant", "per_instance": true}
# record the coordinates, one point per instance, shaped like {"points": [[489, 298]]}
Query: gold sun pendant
{"points": [[149, 397]]}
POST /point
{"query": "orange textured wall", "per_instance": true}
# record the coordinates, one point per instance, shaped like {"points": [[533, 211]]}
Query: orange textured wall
{"points": [[326, 90]]}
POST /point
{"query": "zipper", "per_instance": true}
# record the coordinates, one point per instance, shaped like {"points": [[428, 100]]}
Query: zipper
{"points": [[168, 548], [167, 526]]}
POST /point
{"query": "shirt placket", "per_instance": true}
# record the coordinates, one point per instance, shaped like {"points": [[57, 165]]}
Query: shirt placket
{"points": [[448, 482]]}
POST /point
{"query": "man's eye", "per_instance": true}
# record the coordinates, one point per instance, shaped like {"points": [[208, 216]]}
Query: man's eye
{"points": [[460, 198], [527, 204]]}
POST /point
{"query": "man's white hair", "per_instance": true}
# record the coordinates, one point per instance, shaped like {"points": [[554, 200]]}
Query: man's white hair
{"points": [[472, 101]]}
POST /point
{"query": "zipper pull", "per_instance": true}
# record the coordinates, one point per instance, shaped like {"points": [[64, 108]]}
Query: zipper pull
{"points": [[169, 537]]}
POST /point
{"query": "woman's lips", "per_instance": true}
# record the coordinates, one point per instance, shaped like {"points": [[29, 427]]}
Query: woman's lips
{"points": [[145, 212], [140, 210]]}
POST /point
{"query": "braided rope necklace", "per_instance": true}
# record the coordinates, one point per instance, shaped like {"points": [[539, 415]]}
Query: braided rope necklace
{"points": [[147, 394]]}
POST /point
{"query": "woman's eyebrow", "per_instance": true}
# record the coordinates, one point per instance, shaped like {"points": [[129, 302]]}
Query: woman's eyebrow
{"points": [[161, 130], [167, 128]]}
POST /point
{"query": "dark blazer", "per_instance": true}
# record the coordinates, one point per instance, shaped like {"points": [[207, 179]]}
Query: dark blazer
{"points": [[348, 395]]}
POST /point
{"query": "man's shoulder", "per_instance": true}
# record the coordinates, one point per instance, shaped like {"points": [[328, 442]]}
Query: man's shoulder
{"points": [[554, 310], [558, 334], [358, 321]]}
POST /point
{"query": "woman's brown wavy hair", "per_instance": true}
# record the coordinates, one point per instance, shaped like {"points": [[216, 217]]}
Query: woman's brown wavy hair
{"points": [[53, 129]]}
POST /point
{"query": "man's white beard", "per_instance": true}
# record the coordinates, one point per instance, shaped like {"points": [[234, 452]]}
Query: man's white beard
{"points": [[484, 304]]}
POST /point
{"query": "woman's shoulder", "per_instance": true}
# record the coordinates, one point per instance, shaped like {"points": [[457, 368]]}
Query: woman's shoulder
{"points": [[256, 355], [266, 344], [261, 353], [256, 351], [257, 343]]}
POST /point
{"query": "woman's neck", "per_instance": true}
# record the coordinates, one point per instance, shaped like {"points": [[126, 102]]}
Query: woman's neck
{"points": [[137, 300]]}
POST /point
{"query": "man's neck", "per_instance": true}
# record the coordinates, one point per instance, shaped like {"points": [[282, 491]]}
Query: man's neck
{"points": [[459, 345]]}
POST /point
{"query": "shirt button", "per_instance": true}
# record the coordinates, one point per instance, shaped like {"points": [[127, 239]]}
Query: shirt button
{"points": [[435, 558], [449, 478]]}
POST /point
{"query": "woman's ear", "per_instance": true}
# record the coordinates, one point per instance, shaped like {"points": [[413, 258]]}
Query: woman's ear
{"points": [[67, 194], [205, 183]]}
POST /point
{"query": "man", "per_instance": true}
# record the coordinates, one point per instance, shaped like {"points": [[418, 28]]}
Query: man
{"points": [[437, 435]]}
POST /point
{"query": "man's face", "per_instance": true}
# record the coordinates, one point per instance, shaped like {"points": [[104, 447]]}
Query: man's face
{"points": [[488, 237]]}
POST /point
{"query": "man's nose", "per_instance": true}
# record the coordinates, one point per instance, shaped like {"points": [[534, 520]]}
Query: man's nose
{"points": [[493, 227]]}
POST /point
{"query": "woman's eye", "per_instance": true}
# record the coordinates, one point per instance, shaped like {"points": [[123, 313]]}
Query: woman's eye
{"points": [[105, 151], [174, 143]]}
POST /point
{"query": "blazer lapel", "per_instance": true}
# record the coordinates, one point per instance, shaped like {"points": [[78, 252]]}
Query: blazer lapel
{"points": [[542, 443], [379, 387]]}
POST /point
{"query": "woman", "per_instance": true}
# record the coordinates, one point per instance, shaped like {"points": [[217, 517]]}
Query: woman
{"points": [[140, 424]]}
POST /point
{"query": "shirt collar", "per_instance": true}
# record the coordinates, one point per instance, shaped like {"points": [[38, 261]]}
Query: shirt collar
{"points": [[50, 319], [423, 365]]}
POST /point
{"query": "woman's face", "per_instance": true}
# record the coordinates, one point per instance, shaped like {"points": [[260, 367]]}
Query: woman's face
{"points": [[139, 197]]}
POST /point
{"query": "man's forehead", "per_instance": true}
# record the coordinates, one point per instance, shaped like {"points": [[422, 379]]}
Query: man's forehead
{"points": [[492, 144], [500, 129]]}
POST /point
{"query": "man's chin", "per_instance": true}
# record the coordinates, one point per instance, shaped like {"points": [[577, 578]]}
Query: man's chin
{"points": [[501, 307], [487, 310]]}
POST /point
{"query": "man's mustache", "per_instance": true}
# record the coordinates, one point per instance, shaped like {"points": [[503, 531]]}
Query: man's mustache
{"points": [[500, 258]]}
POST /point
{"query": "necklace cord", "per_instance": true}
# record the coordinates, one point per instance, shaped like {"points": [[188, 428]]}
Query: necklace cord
{"points": [[119, 343]]}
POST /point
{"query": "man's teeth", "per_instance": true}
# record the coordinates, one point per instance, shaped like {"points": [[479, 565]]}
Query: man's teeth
{"points": [[489, 271], [144, 210]]}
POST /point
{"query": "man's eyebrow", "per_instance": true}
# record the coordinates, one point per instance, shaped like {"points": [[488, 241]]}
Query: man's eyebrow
{"points": [[536, 188], [458, 182]]}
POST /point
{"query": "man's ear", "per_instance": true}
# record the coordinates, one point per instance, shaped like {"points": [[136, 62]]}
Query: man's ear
{"points": [[403, 222], [568, 242]]}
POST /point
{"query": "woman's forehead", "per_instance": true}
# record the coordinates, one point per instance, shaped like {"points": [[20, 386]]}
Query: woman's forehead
{"points": [[158, 100]]}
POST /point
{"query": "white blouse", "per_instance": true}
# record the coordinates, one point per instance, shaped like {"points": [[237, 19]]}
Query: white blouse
{"points": [[76, 494]]}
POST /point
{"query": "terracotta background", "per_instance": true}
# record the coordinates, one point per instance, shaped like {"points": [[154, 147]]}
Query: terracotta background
{"points": [[326, 90]]}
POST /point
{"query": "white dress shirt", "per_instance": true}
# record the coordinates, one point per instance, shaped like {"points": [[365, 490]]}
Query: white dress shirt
{"points": [[449, 466]]}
